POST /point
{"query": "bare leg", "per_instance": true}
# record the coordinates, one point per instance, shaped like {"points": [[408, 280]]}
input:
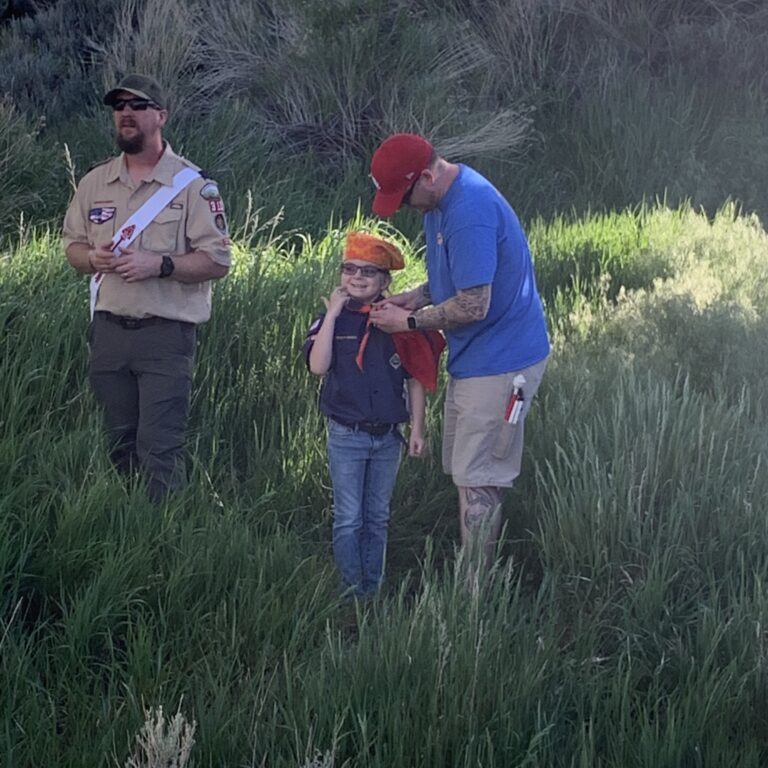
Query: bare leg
{"points": [[480, 517]]}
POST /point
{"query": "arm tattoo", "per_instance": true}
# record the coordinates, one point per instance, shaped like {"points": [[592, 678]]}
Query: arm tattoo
{"points": [[466, 306], [482, 504]]}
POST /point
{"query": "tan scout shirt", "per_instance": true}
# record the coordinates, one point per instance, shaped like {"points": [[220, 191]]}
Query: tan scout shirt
{"points": [[193, 221]]}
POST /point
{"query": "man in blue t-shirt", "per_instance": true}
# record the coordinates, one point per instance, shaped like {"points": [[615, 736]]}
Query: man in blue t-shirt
{"points": [[481, 292]]}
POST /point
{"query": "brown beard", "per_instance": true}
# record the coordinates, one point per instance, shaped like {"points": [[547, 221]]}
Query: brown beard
{"points": [[131, 146]]}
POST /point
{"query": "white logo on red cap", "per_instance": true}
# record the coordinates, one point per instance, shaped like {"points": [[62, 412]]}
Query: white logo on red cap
{"points": [[375, 183]]}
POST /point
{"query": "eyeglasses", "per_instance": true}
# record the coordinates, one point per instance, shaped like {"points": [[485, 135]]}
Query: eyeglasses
{"points": [[366, 271], [137, 105]]}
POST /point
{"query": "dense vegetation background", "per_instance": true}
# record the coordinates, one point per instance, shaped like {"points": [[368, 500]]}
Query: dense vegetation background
{"points": [[625, 625], [572, 104]]}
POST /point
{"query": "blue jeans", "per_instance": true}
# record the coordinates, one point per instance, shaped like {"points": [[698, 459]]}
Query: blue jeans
{"points": [[363, 470]]}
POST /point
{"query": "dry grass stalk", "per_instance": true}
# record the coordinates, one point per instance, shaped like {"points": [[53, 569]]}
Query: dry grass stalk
{"points": [[161, 744]]}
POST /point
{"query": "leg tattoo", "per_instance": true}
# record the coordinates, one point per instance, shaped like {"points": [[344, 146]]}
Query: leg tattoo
{"points": [[481, 506], [480, 510]]}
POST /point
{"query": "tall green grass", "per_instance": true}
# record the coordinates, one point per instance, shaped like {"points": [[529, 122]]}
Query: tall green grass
{"points": [[624, 624], [569, 104]]}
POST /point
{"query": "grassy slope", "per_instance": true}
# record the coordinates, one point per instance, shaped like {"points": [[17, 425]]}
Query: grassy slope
{"points": [[624, 626]]}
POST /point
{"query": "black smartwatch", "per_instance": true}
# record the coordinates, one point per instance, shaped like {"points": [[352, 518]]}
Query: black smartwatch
{"points": [[411, 320], [167, 267]]}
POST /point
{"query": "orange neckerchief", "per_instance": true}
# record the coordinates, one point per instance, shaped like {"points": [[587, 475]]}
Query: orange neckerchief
{"points": [[365, 309], [419, 351]]}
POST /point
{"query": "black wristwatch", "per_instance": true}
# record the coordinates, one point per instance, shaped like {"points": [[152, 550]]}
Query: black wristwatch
{"points": [[167, 267], [411, 320]]}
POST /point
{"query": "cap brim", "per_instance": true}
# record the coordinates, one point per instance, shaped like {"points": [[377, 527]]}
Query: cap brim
{"points": [[111, 96], [387, 204]]}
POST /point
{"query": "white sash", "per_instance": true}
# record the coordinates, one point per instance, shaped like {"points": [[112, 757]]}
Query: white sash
{"points": [[137, 223]]}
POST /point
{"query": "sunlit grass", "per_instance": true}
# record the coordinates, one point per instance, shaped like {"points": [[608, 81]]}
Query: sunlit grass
{"points": [[624, 624]]}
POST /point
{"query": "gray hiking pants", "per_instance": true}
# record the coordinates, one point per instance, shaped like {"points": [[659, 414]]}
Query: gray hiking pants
{"points": [[141, 374]]}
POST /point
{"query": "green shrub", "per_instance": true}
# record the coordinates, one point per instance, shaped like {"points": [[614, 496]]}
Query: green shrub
{"points": [[29, 182], [566, 105]]}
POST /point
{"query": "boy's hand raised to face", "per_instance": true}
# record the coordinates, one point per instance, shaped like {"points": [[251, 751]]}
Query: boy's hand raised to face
{"points": [[336, 302]]}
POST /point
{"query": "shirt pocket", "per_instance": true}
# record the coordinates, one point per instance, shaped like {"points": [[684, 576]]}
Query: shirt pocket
{"points": [[101, 232], [162, 235]]}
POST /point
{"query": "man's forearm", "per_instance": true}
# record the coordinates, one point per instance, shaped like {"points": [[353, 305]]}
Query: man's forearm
{"points": [[192, 267], [423, 297], [79, 256], [465, 307], [414, 299], [196, 267]]}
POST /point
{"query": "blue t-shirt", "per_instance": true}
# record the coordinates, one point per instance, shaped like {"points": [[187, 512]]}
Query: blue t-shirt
{"points": [[474, 238]]}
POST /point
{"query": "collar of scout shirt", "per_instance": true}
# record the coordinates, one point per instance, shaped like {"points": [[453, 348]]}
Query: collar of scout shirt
{"points": [[163, 172]]}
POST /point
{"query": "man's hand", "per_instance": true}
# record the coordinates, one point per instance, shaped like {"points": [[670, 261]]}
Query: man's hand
{"points": [[102, 259], [410, 300], [389, 317], [134, 266], [404, 300]]}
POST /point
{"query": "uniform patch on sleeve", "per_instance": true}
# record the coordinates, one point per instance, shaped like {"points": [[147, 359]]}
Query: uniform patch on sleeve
{"points": [[210, 191], [216, 206], [101, 215], [221, 222]]}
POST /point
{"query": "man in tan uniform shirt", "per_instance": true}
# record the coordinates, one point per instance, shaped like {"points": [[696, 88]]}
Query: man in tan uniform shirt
{"points": [[142, 338]]}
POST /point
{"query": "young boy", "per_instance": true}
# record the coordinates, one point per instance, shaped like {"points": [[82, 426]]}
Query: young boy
{"points": [[363, 397]]}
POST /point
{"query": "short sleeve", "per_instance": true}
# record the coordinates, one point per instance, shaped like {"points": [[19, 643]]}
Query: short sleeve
{"points": [[207, 229], [75, 228], [472, 254], [309, 340]]}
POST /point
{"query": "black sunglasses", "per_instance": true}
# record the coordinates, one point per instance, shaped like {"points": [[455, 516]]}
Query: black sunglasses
{"points": [[366, 271], [137, 105], [409, 191]]}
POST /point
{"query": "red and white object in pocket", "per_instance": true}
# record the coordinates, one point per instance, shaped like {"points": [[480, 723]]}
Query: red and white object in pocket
{"points": [[516, 400]]}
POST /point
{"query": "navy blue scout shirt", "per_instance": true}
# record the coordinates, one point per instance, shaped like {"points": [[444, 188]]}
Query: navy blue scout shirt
{"points": [[373, 394]]}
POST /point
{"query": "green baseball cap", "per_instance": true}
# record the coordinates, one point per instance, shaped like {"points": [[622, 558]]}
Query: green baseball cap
{"points": [[139, 85]]}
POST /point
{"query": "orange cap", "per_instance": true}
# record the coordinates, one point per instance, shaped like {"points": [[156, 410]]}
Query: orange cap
{"points": [[364, 247]]}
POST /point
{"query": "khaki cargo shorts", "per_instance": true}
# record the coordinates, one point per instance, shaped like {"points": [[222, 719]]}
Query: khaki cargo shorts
{"points": [[480, 448]]}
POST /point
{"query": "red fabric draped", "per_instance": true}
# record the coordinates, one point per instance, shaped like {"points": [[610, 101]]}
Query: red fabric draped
{"points": [[419, 351]]}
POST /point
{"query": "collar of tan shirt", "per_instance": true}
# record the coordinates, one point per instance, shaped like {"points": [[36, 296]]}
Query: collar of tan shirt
{"points": [[163, 172]]}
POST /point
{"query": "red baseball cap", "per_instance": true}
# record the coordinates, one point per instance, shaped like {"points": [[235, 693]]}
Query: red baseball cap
{"points": [[394, 167]]}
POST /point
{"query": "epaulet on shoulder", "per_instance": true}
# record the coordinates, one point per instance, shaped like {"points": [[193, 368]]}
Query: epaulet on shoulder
{"points": [[101, 162], [194, 167]]}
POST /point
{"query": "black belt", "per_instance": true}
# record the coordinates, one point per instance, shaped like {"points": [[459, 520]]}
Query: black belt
{"points": [[371, 427], [134, 323]]}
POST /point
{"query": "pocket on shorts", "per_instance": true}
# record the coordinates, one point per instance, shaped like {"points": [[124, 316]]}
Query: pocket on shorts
{"points": [[505, 439]]}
